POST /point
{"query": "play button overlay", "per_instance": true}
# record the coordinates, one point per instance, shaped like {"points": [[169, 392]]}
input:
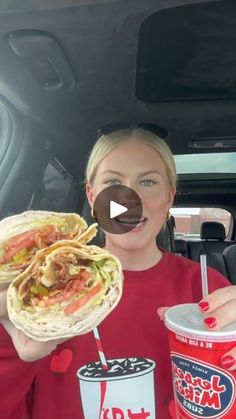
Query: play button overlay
{"points": [[118, 209]]}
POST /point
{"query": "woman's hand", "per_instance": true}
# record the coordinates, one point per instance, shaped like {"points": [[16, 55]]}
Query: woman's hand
{"points": [[28, 349], [161, 311], [220, 310]]}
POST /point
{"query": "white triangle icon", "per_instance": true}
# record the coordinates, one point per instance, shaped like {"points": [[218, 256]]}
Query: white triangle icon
{"points": [[116, 209]]}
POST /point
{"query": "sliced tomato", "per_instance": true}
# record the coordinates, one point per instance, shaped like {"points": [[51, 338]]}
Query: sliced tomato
{"points": [[35, 238], [77, 285], [17, 240], [71, 308], [27, 241]]}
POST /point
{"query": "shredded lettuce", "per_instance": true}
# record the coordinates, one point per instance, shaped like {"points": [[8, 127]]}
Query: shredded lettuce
{"points": [[20, 256], [104, 269], [74, 270], [39, 289], [101, 271], [110, 265], [54, 220], [96, 275]]}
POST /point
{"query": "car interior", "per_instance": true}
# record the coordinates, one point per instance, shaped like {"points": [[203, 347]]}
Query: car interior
{"points": [[70, 67]]}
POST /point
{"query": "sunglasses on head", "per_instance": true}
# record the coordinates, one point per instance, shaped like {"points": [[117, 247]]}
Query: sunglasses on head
{"points": [[116, 126]]}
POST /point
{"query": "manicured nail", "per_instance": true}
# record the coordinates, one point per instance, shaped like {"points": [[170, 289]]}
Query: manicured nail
{"points": [[227, 362], [204, 305], [210, 321]]}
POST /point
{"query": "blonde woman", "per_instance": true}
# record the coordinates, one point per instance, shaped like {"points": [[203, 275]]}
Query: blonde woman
{"points": [[40, 379]]}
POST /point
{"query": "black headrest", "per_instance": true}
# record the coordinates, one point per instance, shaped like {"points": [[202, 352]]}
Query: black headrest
{"points": [[181, 247], [212, 230], [165, 238]]}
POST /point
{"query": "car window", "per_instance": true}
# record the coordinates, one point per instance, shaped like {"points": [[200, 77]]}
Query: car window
{"points": [[58, 190], [188, 220], [206, 163]]}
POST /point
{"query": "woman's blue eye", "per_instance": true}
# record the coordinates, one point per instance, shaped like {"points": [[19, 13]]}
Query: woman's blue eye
{"points": [[113, 182], [148, 182]]}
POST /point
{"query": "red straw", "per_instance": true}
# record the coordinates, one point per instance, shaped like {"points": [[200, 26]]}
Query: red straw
{"points": [[100, 349]]}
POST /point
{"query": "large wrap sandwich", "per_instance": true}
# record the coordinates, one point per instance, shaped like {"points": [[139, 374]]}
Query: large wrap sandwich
{"points": [[22, 235], [68, 289]]}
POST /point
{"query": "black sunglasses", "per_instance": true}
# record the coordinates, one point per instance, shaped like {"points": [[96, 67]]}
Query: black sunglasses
{"points": [[116, 126]]}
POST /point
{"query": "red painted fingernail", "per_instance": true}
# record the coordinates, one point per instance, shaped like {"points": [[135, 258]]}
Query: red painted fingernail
{"points": [[227, 362], [210, 321], [204, 305]]}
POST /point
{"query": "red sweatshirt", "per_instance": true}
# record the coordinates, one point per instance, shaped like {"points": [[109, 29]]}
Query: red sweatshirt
{"points": [[135, 343]]}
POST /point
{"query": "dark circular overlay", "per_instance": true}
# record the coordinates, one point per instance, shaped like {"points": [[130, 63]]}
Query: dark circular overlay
{"points": [[108, 202]]}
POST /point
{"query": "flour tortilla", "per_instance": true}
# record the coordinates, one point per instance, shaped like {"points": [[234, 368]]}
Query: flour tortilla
{"points": [[47, 320], [67, 225]]}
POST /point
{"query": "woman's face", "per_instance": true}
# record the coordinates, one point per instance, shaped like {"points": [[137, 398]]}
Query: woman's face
{"points": [[141, 168]]}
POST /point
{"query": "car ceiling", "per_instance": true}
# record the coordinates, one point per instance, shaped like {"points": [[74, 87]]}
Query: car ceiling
{"points": [[97, 45]]}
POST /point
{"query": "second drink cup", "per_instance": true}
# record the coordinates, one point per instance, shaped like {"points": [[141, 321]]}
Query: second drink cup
{"points": [[202, 388]]}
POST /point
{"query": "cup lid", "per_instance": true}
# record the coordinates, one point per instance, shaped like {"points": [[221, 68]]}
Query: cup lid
{"points": [[187, 320]]}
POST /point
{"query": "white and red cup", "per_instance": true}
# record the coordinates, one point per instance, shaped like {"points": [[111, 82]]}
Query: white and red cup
{"points": [[202, 388], [125, 390]]}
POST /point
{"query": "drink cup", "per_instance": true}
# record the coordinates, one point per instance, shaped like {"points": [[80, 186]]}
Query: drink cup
{"points": [[125, 390], [202, 388]]}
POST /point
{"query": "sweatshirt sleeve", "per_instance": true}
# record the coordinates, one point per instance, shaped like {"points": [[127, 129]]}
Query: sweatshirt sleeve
{"points": [[216, 280], [16, 381]]}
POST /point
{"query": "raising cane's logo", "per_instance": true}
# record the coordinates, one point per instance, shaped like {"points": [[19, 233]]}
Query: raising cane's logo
{"points": [[202, 391]]}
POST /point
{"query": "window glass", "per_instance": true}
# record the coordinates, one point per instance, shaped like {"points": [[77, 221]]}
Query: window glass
{"points": [[58, 190], [206, 163], [188, 220]]}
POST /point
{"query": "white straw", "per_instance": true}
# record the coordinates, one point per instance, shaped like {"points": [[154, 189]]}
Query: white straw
{"points": [[100, 349], [204, 275]]}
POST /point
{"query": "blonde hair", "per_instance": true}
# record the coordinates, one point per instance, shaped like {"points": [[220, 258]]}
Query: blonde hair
{"points": [[106, 143]]}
